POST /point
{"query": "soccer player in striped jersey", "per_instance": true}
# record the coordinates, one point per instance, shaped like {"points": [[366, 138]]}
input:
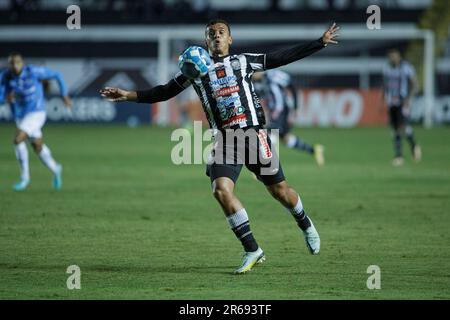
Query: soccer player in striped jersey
{"points": [[400, 86], [21, 86], [230, 102], [281, 99]]}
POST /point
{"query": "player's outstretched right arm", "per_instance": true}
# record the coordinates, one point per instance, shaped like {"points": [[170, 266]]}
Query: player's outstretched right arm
{"points": [[153, 95], [288, 55]]}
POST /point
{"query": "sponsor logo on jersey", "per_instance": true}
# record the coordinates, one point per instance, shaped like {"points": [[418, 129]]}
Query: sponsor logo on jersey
{"points": [[266, 153], [235, 120], [229, 113], [225, 102], [220, 73], [235, 64], [226, 91], [223, 81], [256, 101]]}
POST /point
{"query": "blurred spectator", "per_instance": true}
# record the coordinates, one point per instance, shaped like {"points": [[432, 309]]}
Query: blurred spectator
{"points": [[203, 8], [18, 7], [200, 6]]}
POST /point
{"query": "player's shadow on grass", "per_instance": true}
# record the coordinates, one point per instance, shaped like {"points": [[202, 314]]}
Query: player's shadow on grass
{"points": [[164, 269], [154, 270], [115, 268]]}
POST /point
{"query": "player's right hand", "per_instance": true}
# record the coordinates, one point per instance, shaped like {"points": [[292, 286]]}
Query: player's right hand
{"points": [[114, 94], [331, 34]]}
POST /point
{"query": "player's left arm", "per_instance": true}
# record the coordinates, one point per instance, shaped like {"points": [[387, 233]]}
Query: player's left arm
{"points": [[287, 55], [44, 73]]}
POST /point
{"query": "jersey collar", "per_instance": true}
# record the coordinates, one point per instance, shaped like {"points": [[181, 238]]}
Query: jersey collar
{"points": [[220, 59]]}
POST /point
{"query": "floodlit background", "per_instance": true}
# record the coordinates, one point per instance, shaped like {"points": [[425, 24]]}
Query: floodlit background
{"points": [[140, 227], [135, 44]]}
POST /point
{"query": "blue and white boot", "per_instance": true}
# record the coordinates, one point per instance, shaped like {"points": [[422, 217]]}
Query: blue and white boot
{"points": [[21, 185], [57, 178]]}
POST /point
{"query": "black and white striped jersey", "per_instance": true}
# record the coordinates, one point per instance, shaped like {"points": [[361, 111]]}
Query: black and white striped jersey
{"points": [[397, 82], [227, 93]]}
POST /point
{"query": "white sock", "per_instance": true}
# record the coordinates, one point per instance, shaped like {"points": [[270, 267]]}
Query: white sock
{"points": [[241, 228], [300, 215], [298, 207], [47, 159], [22, 157], [238, 218]]}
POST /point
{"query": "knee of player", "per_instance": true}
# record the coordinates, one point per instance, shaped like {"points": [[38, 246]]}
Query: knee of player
{"points": [[279, 192], [37, 146], [18, 139], [221, 193]]}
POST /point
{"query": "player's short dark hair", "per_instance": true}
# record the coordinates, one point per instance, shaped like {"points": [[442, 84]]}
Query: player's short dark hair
{"points": [[214, 21]]}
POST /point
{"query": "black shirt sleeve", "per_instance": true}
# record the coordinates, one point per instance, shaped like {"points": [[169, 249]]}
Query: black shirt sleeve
{"points": [[163, 92], [285, 56], [257, 61]]}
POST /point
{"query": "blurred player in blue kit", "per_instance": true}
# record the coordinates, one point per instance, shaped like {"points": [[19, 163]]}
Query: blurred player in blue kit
{"points": [[21, 86]]}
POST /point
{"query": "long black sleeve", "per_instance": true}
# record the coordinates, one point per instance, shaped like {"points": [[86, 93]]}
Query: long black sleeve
{"points": [[159, 93], [285, 56]]}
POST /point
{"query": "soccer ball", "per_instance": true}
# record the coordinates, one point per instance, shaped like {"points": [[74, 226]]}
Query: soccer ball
{"points": [[194, 62]]}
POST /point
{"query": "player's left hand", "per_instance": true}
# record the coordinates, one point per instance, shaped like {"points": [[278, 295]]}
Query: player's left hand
{"points": [[331, 34], [67, 101]]}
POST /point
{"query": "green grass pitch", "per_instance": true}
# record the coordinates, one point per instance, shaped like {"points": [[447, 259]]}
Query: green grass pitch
{"points": [[140, 227]]}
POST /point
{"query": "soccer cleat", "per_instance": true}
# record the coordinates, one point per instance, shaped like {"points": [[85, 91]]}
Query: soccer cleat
{"points": [[250, 259], [417, 153], [21, 185], [318, 154], [312, 239], [57, 178], [397, 162]]}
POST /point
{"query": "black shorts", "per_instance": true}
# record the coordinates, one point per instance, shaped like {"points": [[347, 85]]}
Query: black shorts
{"points": [[281, 123], [254, 150], [397, 118]]}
